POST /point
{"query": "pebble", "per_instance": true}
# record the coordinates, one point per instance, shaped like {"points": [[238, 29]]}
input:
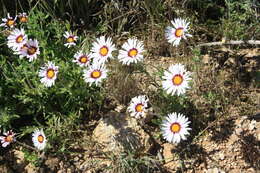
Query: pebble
{"points": [[252, 125], [221, 156], [213, 170], [76, 159], [234, 171], [251, 170], [69, 170], [238, 131], [233, 138], [120, 108], [258, 136]]}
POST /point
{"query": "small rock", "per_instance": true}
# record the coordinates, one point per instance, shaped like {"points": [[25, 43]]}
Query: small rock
{"points": [[168, 152], [252, 125], [238, 131], [4, 169], [236, 149], [233, 138], [213, 170], [168, 156], [205, 59], [221, 156], [244, 117], [19, 155], [251, 170], [258, 135], [30, 168], [69, 170], [120, 108], [19, 163], [119, 133], [76, 159], [52, 163], [61, 164], [235, 170]]}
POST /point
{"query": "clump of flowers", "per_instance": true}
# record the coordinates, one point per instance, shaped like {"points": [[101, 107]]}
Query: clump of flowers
{"points": [[177, 32], [8, 138], [132, 51], [175, 127], [138, 106], [176, 79]]}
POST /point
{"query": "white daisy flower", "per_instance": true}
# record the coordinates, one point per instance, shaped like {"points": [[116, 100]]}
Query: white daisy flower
{"points": [[176, 79], [39, 139], [138, 106], [132, 51], [8, 22], [82, 59], [16, 39], [30, 50], [102, 49], [178, 31], [70, 39], [48, 74], [8, 138], [95, 73], [175, 128], [23, 18]]}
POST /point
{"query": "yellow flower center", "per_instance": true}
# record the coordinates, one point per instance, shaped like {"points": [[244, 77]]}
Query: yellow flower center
{"points": [[40, 138], [179, 32], [139, 108], [50, 73], [23, 19], [70, 39], [10, 22], [132, 52], [31, 50], [19, 39], [175, 127], [83, 59], [103, 51], [9, 138], [96, 74], [177, 79]]}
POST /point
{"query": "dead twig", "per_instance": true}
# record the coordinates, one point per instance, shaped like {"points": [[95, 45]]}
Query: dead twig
{"points": [[26, 146], [231, 42]]}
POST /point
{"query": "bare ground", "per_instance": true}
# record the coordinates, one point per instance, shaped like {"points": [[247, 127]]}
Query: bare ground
{"points": [[226, 100]]}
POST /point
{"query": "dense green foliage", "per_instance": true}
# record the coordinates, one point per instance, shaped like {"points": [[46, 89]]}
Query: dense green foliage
{"points": [[25, 102]]}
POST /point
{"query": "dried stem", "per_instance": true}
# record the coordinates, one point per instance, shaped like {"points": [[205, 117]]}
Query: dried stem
{"points": [[26, 146], [231, 42]]}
